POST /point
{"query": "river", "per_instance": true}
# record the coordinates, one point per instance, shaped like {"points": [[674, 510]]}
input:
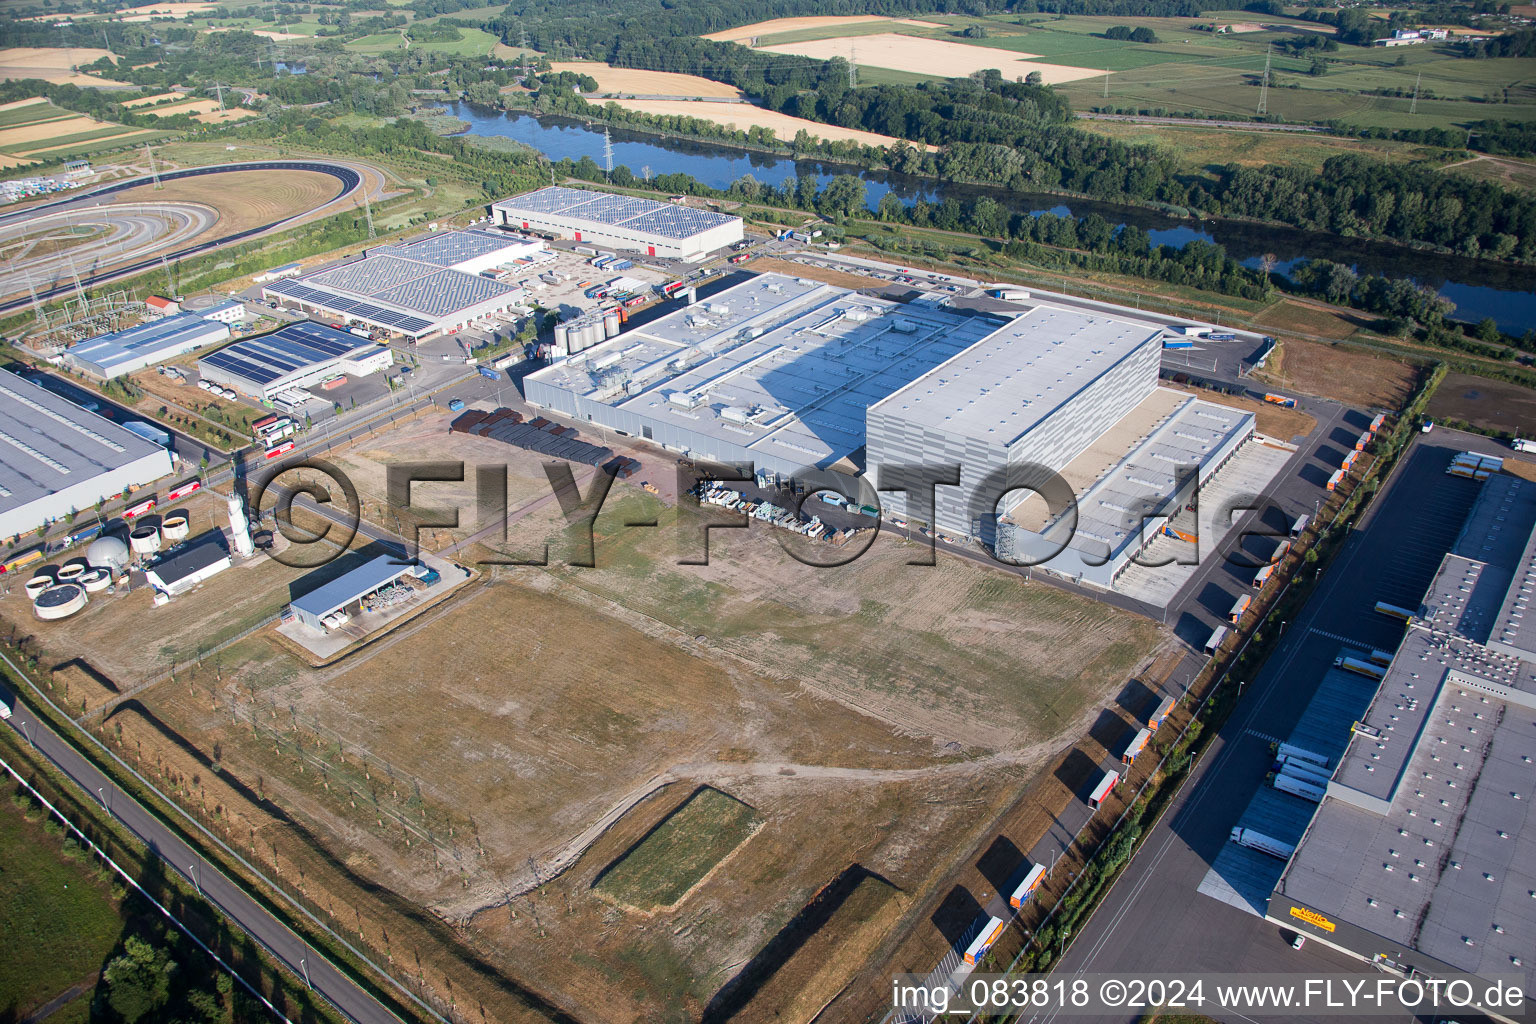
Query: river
{"points": [[1506, 293]]}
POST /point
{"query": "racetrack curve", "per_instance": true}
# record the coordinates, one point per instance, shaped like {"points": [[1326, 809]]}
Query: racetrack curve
{"points": [[349, 178]]}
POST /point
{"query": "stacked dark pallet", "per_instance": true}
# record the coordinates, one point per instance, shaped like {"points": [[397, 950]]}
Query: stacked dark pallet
{"points": [[538, 435], [623, 466]]}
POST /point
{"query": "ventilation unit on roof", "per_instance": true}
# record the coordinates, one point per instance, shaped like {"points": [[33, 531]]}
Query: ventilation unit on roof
{"points": [[683, 399]]}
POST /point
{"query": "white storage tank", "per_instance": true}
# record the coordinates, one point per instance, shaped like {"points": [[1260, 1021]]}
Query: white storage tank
{"points": [[176, 525], [96, 580], [71, 572], [59, 602], [108, 553], [39, 583], [145, 540], [611, 325]]}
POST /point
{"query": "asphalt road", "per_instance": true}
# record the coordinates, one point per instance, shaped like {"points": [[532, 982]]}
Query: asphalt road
{"points": [[279, 941], [1153, 920]]}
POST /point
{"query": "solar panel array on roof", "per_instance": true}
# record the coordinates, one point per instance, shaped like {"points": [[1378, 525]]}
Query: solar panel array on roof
{"points": [[363, 310], [265, 359], [665, 219], [371, 275], [450, 248], [442, 293]]}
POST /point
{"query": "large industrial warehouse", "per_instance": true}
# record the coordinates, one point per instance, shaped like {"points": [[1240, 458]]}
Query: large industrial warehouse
{"points": [[130, 350], [788, 373], [296, 356], [415, 288], [57, 458], [1429, 808], [624, 222]]}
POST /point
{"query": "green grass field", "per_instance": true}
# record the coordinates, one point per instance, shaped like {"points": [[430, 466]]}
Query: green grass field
{"points": [[380, 42], [59, 920], [672, 858], [32, 113], [475, 43]]}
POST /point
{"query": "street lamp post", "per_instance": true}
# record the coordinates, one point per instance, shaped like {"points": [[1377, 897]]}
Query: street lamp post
{"points": [[192, 873]]}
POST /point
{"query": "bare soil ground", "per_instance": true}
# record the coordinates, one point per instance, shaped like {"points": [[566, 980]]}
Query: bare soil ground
{"points": [[1345, 375], [770, 264], [1288, 316], [1271, 419], [1488, 404], [745, 116], [244, 199]]}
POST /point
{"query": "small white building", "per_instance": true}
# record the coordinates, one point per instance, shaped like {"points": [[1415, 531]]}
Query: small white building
{"points": [[231, 312]]}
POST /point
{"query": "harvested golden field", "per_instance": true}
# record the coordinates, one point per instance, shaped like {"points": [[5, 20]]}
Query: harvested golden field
{"points": [[162, 97], [649, 83], [745, 116], [165, 10], [777, 25], [185, 107], [1343, 374], [7, 162], [931, 57], [55, 129], [49, 58], [29, 102]]}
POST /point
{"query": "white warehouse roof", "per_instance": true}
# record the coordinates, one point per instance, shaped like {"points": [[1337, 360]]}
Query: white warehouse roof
{"points": [[55, 456], [111, 355], [646, 216]]}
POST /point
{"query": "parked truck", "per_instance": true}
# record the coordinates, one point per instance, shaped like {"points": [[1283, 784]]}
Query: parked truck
{"points": [[1364, 668], [1103, 789], [1027, 886], [1280, 400], [1299, 787], [1301, 754], [1395, 611], [984, 939], [1262, 843], [1136, 746]]}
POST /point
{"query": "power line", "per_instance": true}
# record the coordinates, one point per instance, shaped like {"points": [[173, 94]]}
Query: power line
{"points": [[1414, 106], [1264, 85]]}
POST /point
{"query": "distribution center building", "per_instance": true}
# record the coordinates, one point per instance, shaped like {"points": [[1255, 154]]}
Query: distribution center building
{"points": [[1421, 857], [133, 349], [624, 222], [56, 458], [415, 289], [788, 374], [296, 356]]}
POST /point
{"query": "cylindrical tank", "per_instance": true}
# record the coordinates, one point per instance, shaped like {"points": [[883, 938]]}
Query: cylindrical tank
{"points": [[108, 553], [59, 602], [145, 540], [611, 324], [96, 579], [39, 583], [175, 526], [71, 572], [562, 336]]}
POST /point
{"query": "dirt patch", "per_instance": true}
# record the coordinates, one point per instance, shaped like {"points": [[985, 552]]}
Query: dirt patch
{"points": [[1486, 404], [243, 199], [841, 278], [932, 56], [1271, 419], [1346, 375]]}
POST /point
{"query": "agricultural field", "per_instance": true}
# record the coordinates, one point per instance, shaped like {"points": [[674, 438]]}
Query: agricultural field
{"points": [[148, 12], [677, 854], [914, 53], [36, 130], [779, 26], [1205, 149], [474, 43], [637, 82], [55, 64]]}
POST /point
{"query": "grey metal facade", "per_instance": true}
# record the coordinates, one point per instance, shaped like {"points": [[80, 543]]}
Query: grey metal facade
{"points": [[1055, 440]]}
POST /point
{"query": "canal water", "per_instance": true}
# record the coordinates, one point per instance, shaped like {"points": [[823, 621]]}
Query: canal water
{"points": [[1478, 288]]}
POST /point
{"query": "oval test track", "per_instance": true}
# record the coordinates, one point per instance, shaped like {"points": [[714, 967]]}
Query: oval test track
{"points": [[349, 178]]}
